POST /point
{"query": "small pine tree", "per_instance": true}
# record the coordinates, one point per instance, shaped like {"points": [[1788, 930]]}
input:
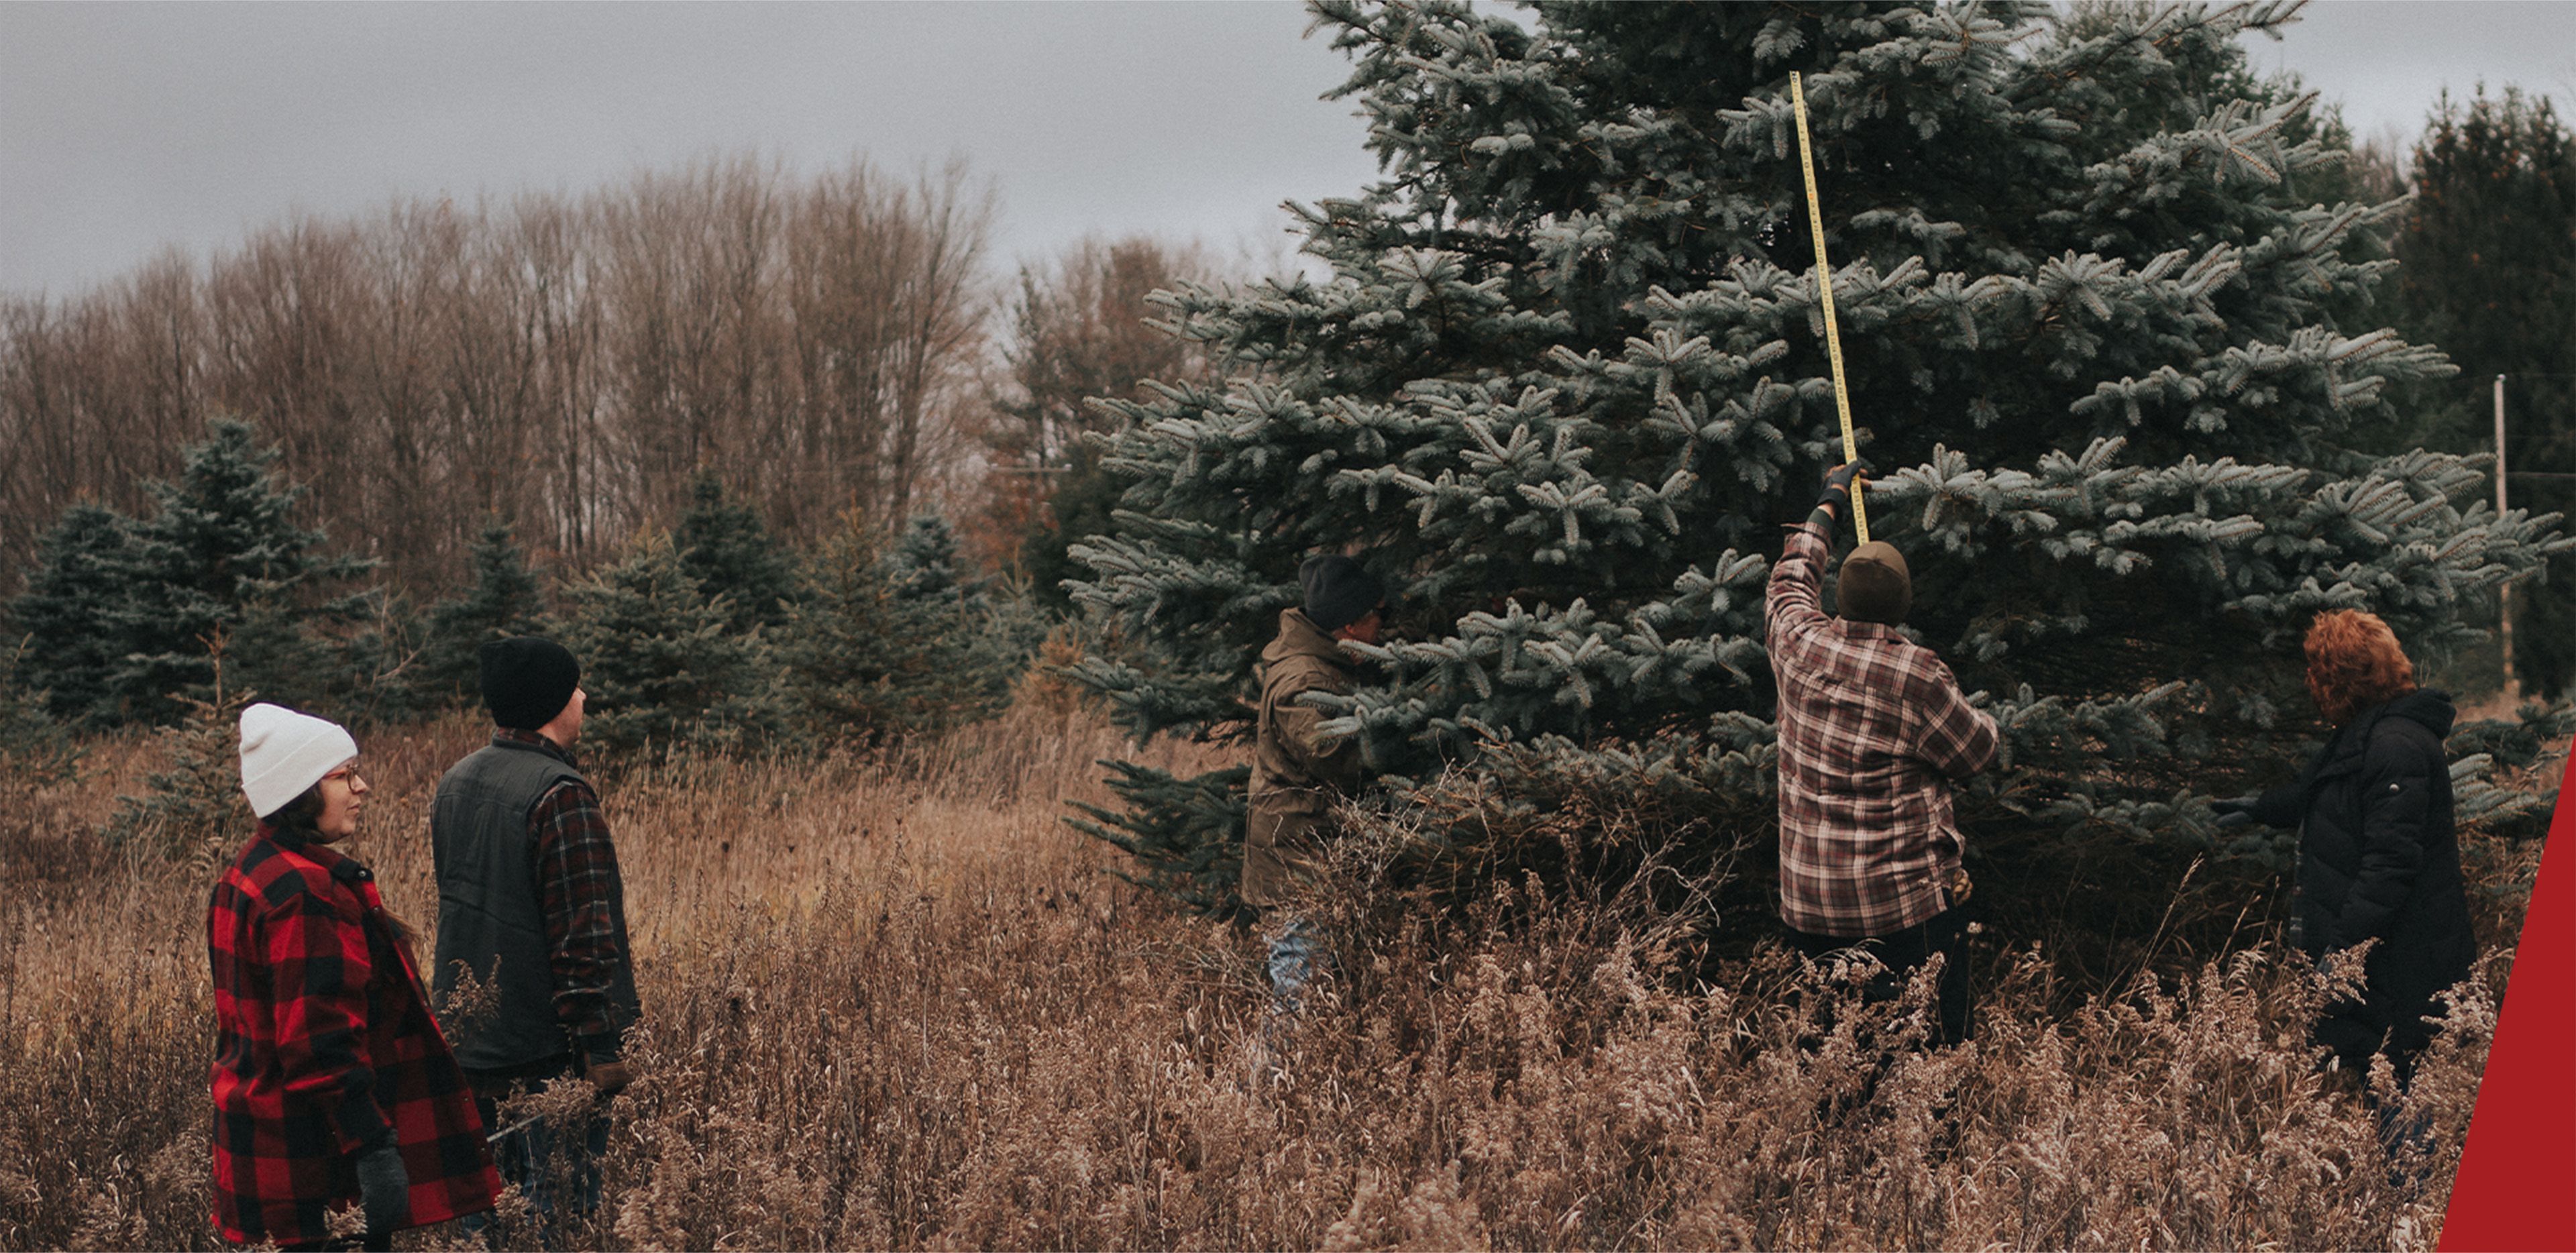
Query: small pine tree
{"points": [[222, 557], [994, 630], [662, 663], [36, 751], [923, 562], [893, 644], [724, 546], [84, 576], [504, 601], [192, 809], [863, 661]]}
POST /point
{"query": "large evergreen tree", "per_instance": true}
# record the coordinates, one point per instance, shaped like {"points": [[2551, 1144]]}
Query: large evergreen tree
{"points": [[1567, 378], [221, 558], [130, 610]]}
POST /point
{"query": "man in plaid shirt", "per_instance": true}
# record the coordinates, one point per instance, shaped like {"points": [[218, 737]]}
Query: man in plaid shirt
{"points": [[1873, 731], [531, 906]]}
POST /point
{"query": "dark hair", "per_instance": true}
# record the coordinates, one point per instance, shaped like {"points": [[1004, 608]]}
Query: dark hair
{"points": [[302, 817], [303, 814]]}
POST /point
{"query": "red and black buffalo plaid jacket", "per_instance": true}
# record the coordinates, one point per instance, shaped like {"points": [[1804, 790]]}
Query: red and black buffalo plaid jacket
{"points": [[324, 1047], [1873, 729]]}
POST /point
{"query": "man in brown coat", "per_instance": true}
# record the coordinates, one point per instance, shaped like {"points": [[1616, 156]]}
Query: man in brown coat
{"points": [[1297, 771]]}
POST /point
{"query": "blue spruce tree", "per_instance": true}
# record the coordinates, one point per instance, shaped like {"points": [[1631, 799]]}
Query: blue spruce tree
{"points": [[504, 600], [84, 574], [131, 610], [1566, 380], [725, 547]]}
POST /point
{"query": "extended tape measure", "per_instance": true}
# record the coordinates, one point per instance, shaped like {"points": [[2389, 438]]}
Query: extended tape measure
{"points": [[1825, 289]]}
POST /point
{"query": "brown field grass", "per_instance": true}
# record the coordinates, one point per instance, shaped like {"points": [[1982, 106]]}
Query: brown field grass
{"points": [[895, 1002]]}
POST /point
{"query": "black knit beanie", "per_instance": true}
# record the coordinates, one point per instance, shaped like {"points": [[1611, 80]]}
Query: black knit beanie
{"points": [[1875, 585], [527, 681], [1338, 591]]}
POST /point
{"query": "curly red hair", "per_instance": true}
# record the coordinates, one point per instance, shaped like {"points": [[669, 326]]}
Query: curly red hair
{"points": [[2354, 662]]}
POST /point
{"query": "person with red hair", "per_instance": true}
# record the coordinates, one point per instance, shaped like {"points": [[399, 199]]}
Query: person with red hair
{"points": [[2378, 859]]}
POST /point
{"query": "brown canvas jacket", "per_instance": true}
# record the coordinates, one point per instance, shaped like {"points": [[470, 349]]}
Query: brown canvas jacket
{"points": [[1297, 773]]}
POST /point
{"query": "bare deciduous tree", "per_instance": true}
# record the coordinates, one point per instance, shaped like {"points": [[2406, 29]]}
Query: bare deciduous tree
{"points": [[568, 362], [1081, 326]]}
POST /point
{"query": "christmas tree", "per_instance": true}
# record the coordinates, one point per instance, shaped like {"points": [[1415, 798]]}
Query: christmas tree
{"points": [[1567, 379], [83, 574], [726, 549], [864, 660], [893, 642], [133, 609], [661, 660], [504, 601], [922, 561]]}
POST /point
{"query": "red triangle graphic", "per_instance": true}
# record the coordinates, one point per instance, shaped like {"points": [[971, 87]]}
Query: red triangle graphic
{"points": [[2517, 1181]]}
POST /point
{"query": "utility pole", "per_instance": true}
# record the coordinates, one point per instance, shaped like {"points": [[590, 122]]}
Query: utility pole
{"points": [[2504, 592]]}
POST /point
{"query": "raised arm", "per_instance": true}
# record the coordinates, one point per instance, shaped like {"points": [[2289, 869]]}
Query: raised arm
{"points": [[1795, 599]]}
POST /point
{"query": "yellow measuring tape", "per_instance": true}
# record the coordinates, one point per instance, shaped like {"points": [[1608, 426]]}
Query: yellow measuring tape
{"points": [[1825, 287]]}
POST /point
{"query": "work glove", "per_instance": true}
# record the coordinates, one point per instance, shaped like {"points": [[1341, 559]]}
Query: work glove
{"points": [[610, 1077], [2237, 811], [1836, 500], [602, 1066], [384, 1189]]}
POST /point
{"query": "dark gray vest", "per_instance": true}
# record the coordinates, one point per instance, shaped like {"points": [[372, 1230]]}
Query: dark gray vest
{"points": [[489, 920]]}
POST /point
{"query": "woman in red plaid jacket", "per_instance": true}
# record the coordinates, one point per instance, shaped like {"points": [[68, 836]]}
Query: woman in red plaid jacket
{"points": [[333, 1089]]}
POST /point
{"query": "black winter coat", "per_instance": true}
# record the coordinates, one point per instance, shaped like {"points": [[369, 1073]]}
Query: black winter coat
{"points": [[2378, 859]]}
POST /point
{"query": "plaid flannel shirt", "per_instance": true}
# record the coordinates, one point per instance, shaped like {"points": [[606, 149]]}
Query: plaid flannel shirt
{"points": [[577, 890], [324, 1048], [1873, 729]]}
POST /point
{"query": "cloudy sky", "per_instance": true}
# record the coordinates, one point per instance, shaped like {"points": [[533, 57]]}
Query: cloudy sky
{"points": [[129, 128]]}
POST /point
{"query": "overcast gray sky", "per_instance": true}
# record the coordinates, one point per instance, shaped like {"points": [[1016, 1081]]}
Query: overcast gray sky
{"points": [[128, 128]]}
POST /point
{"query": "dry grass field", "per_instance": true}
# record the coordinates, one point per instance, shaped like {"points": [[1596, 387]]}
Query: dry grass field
{"points": [[896, 1003]]}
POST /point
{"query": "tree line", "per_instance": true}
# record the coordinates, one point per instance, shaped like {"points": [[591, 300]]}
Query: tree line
{"points": [[714, 631], [568, 362]]}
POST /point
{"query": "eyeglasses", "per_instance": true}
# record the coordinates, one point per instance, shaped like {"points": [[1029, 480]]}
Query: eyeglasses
{"points": [[345, 774]]}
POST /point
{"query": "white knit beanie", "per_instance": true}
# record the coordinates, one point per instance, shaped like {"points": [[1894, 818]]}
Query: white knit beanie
{"points": [[284, 752]]}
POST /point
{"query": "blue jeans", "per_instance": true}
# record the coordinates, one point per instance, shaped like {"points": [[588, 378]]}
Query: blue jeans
{"points": [[556, 1168], [1295, 957]]}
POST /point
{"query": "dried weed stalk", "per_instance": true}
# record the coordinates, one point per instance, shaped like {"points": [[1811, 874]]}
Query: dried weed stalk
{"points": [[893, 1002]]}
